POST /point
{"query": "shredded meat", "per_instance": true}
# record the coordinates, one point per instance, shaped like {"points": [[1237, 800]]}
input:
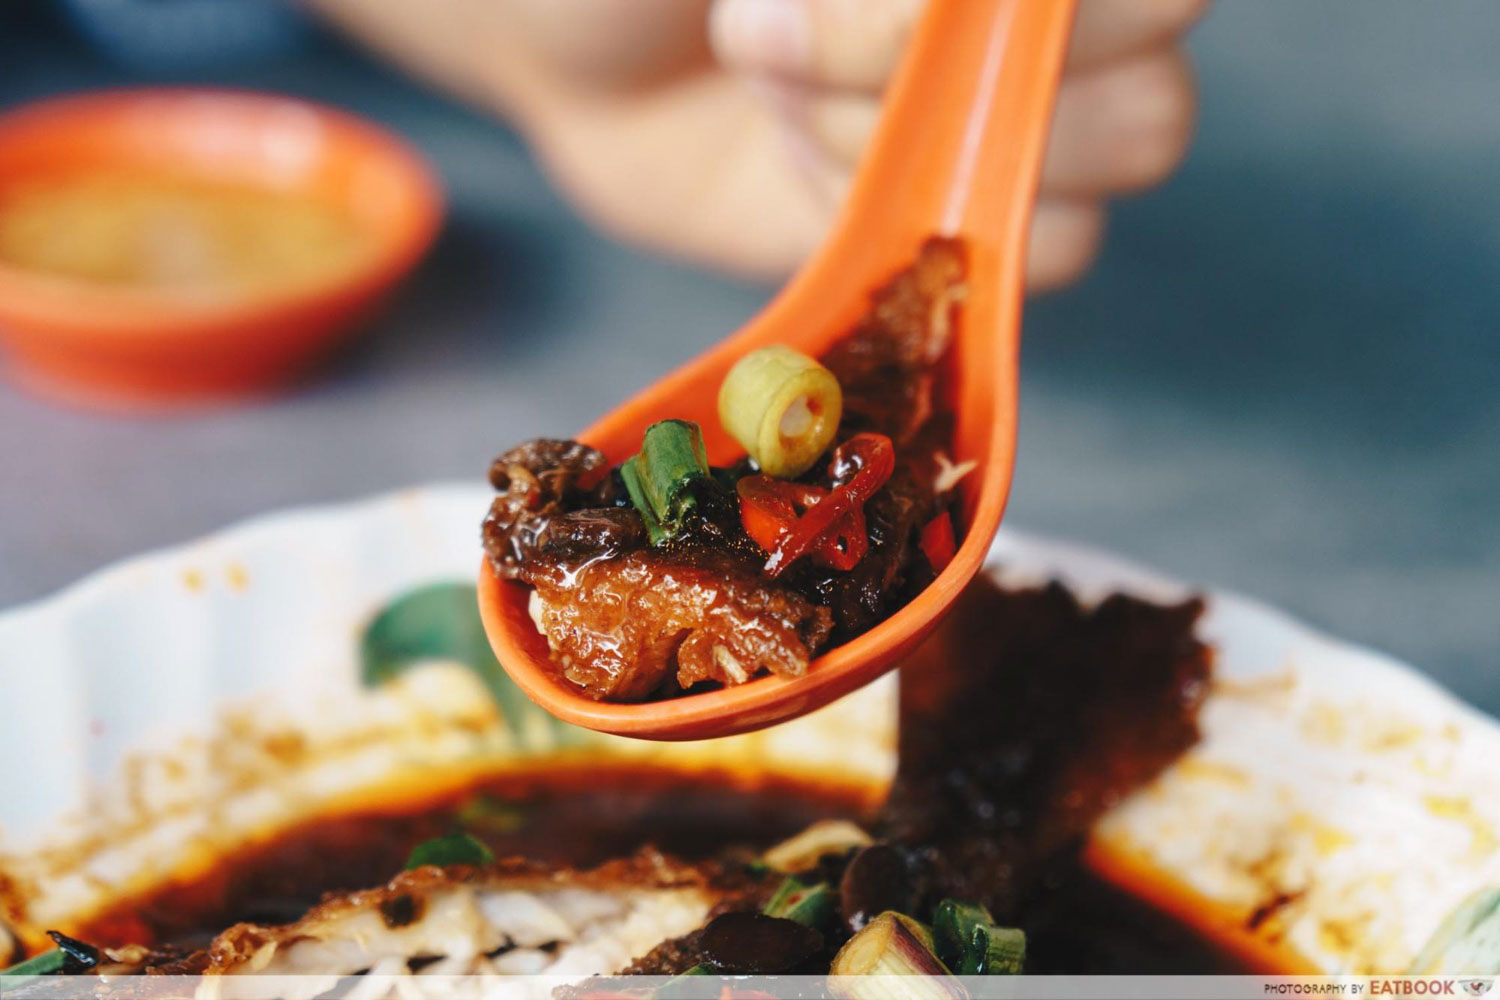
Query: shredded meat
{"points": [[542, 485], [620, 626], [887, 365]]}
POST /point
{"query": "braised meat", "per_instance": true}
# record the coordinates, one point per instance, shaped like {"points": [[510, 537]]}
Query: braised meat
{"points": [[629, 615], [557, 500], [644, 614], [888, 365]]}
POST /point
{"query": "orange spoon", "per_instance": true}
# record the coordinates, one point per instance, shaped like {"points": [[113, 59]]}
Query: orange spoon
{"points": [[958, 152]]}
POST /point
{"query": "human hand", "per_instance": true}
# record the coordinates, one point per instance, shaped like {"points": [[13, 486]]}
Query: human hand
{"points": [[726, 130]]}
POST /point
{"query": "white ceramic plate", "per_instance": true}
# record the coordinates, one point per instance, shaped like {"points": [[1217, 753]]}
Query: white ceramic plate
{"points": [[179, 703]]}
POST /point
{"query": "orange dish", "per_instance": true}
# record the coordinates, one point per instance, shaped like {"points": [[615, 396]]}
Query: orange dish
{"points": [[179, 245]]}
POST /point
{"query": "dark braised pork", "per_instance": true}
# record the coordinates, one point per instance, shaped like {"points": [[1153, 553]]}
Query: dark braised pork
{"points": [[646, 614], [557, 502], [887, 365], [626, 620]]}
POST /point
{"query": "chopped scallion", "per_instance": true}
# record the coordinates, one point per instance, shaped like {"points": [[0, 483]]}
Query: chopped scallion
{"points": [[891, 945], [783, 407], [683, 983], [48, 963], [828, 836], [810, 905], [972, 944], [660, 479], [454, 849]]}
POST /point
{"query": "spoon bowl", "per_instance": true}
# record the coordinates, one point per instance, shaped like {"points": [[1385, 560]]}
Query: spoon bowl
{"points": [[957, 153]]}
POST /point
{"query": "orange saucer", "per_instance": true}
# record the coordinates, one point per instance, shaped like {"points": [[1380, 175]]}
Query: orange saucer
{"points": [[148, 345]]}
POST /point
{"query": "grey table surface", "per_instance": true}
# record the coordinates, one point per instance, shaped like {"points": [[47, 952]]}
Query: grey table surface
{"points": [[1283, 377]]}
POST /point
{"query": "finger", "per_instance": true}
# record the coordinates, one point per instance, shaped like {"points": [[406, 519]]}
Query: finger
{"points": [[1121, 127], [1108, 29], [1117, 129], [791, 107], [838, 122], [611, 41], [856, 43], [1066, 233], [1065, 239], [846, 44]]}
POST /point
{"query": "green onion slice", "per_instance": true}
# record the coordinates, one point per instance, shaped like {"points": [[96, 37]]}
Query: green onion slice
{"points": [[454, 849], [48, 963], [660, 479], [971, 944]]}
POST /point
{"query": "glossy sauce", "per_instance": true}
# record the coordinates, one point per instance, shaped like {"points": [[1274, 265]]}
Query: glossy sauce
{"points": [[1025, 718], [564, 815]]}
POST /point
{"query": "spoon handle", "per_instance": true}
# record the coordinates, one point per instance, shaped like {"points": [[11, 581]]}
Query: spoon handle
{"points": [[959, 147]]}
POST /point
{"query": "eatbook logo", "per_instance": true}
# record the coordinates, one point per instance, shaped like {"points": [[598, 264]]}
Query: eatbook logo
{"points": [[1477, 987]]}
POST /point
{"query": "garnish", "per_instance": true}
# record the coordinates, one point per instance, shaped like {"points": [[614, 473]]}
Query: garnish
{"points": [[937, 541], [809, 904], [972, 944], [794, 900], [783, 407], [440, 621], [70, 957], [682, 984], [891, 945], [769, 509], [662, 477], [860, 466], [48, 963], [454, 849], [803, 851]]}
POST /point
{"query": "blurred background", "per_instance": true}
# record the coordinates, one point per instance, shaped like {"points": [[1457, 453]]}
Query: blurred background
{"points": [[1282, 377]]}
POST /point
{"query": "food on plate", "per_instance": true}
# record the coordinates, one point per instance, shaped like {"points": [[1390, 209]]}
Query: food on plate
{"points": [[665, 573], [1025, 718], [511, 917]]}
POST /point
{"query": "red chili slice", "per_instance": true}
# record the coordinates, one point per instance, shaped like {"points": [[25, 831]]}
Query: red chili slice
{"points": [[769, 508], [844, 546], [832, 524], [937, 541]]}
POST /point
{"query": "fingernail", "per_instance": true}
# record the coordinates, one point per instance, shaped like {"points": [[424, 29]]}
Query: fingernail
{"points": [[767, 35]]}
